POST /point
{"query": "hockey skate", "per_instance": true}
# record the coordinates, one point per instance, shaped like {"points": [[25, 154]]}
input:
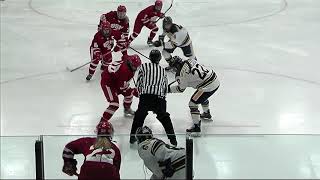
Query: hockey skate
{"points": [[150, 43], [195, 130], [174, 142], [88, 78], [128, 112], [206, 116]]}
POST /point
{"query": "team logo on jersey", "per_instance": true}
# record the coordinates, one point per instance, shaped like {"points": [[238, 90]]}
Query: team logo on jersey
{"points": [[116, 26], [108, 44]]}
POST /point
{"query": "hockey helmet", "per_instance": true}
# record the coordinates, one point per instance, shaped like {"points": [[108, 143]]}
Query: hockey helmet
{"points": [[105, 28], [155, 56], [158, 5], [176, 62], [121, 12], [105, 128], [133, 62], [143, 133], [167, 23]]}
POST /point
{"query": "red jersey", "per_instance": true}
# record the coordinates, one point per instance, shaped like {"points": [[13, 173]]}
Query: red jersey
{"points": [[116, 24], [149, 14], [117, 75], [105, 44], [98, 163]]}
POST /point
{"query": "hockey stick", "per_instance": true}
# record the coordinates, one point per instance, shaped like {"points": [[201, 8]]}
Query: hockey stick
{"points": [[166, 10], [71, 70], [139, 53]]}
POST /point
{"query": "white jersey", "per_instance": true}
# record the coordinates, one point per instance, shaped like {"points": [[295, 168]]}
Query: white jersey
{"points": [[179, 36], [197, 76], [154, 150]]}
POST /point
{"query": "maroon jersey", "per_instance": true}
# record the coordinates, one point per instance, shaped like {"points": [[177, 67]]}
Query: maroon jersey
{"points": [[148, 15], [105, 44], [98, 163], [116, 24], [117, 75]]}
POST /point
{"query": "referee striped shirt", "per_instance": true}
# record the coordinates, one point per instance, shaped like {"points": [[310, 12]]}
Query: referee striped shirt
{"points": [[152, 79]]}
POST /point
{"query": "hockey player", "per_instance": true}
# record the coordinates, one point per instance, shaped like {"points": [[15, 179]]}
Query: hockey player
{"points": [[163, 160], [191, 74], [101, 47], [102, 157], [118, 19], [148, 17], [115, 80], [178, 37]]}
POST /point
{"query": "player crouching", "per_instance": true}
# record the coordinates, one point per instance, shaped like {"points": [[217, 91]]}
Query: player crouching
{"points": [[191, 74], [115, 80], [148, 17], [102, 157], [163, 160], [101, 47]]}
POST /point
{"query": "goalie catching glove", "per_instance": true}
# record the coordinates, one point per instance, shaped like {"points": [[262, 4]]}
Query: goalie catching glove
{"points": [[70, 167]]}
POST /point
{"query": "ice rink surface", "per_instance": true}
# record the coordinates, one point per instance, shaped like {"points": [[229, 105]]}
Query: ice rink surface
{"points": [[265, 53]]}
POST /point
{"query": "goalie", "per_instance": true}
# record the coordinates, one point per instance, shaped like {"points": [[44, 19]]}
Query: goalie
{"points": [[163, 160]]}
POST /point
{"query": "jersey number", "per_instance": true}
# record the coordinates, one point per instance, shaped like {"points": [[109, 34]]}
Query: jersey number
{"points": [[201, 71], [99, 156]]}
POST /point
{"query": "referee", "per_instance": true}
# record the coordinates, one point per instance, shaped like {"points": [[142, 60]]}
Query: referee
{"points": [[152, 85]]}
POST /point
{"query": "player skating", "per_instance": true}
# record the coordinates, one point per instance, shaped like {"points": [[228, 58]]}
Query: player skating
{"points": [[118, 19], [192, 74], [178, 37], [115, 81], [148, 17], [102, 157], [102, 45], [163, 160]]}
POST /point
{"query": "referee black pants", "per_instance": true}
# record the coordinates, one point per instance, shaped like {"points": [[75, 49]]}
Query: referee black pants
{"points": [[150, 102]]}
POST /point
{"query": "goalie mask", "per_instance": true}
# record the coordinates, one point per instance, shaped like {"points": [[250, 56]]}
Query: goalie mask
{"points": [[143, 133]]}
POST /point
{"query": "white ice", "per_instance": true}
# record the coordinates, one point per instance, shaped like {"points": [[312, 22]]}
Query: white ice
{"points": [[265, 54]]}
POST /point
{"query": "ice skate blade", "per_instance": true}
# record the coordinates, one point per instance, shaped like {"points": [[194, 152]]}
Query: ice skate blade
{"points": [[207, 119]]}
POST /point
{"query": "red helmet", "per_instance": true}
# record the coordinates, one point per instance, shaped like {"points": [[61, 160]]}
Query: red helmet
{"points": [[121, 8], [121, 12], [105, 27], [133, 61], [158, 5], [105, 128]]}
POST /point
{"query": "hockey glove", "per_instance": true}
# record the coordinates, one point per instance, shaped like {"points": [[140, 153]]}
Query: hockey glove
{"points": [[157, 44], [161, 15], [70, 167], [168, 171]]}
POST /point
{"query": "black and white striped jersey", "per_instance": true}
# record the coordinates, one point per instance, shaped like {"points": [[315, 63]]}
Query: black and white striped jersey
{"points": [[152, 79]]}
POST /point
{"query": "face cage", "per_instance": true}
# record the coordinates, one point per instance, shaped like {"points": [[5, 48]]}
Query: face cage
{"points": [[121, 15], [106, 32], [158, 8]]}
